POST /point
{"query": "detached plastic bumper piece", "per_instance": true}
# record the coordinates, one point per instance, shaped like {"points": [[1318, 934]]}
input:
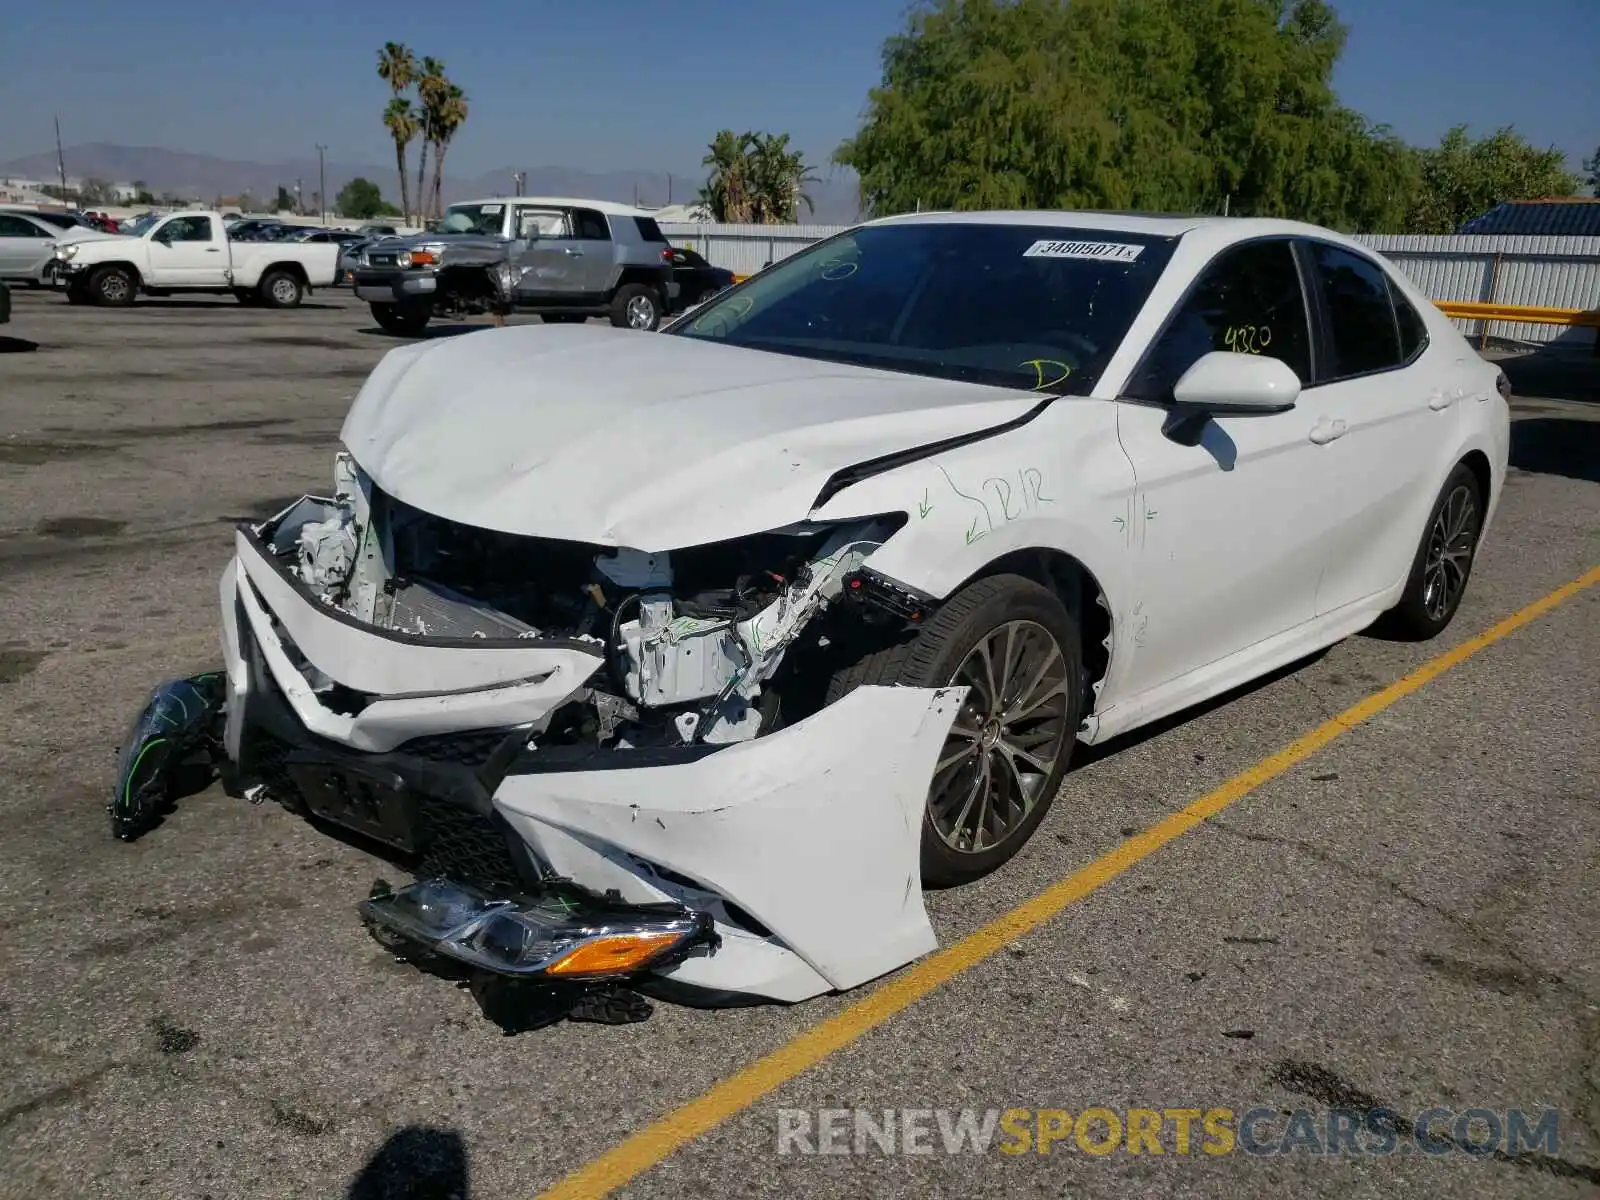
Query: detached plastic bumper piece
{"points": [[564, 935], [180, 727]]}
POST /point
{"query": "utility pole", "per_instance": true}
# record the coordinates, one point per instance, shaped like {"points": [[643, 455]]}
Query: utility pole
{"points": [[517, 178], [669, 189], [299, 207], [61, 160], [322, 185]]}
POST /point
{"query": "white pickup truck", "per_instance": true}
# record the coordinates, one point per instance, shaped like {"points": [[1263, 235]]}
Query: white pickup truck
{"points": [[191, 252]]}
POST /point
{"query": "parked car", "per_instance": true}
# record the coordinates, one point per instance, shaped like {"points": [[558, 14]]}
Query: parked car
{"points": [[28, 245], [567, 260], [57, 218], [371, 230], [713, 648], [191, 252], [697, 279], [256, 229]]}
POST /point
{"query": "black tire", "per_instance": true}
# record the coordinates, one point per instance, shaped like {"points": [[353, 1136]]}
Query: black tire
{"points": [[402, 320], [113, 287], [935, 657], [1443, 563], [281, 289], [563, 318], [630, 302]]}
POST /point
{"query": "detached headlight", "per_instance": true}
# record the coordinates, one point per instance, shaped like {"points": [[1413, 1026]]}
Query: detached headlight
{"points": [[576, 937], [63, 253]]}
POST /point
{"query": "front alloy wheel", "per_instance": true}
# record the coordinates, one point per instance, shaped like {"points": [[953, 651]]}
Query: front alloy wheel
{"points": [[1016, 649], [1003, 749]]}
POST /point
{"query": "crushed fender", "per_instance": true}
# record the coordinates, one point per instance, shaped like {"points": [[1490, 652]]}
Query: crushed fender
{"points": [[176, 738]]}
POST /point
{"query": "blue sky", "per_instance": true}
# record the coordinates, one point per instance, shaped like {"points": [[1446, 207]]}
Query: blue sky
{"points": [[630, 85]]}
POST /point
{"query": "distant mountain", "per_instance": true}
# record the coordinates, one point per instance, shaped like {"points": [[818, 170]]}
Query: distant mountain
{"points": [[206, 176]]}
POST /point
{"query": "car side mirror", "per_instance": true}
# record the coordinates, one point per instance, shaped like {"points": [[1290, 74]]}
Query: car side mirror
{"points": [[1223, 383]]}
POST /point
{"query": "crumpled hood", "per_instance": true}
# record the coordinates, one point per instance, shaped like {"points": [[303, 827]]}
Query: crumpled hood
{"points": [[650, 441], [81, 233]]}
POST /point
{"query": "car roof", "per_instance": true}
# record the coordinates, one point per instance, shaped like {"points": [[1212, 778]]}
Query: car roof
{"points": [[1150, 224], [609, 207]]}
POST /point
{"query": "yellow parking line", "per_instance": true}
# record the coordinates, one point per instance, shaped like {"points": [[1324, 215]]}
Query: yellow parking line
{"points": [[649, 1146]]}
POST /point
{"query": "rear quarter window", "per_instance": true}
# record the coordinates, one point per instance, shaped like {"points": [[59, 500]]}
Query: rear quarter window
{"points": [[649, 230]]}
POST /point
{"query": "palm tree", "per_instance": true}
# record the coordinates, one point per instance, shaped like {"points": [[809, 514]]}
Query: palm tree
{"points": [[397, 67], [401, 121], [778, 179], [431, 89], [449, 115], [727, 188]]}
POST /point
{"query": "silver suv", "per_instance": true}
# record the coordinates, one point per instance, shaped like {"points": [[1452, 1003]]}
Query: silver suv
{"points": [[567, 260]]}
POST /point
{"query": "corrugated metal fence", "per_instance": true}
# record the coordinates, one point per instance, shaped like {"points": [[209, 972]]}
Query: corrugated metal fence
{"points": [[1549, 272]]}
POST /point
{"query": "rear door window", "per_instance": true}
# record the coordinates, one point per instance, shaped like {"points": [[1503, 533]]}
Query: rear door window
{"points": [[1362, 330], [591, 225]]}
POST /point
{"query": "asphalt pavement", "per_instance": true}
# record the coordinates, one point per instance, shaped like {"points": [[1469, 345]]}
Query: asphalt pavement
{"points": [[1404, 919]]}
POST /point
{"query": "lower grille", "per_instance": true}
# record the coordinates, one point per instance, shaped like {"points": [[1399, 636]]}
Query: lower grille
{"points": [[467, 848], [472, 749]]}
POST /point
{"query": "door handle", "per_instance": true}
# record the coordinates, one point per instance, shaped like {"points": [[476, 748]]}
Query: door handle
{"points": [[573, 253], [212, 250], [1325, 431]]}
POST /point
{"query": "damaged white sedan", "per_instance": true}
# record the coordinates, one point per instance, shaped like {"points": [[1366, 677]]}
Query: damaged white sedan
{"points": [[696, 656]]}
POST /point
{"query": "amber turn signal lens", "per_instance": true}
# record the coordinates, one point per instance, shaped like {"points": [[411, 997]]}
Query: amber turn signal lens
{"points": [[613, 954]]}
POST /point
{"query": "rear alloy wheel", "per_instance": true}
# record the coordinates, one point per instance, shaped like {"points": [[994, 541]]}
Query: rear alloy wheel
{"points": [[112, 286], [636, 306], [1015, 648], [280, 289], [1443, 564], [402, 320]]}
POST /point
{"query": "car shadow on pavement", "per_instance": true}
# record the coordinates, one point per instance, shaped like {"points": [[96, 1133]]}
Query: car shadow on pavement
{"points": [[431, 331], [1557, 446], [1554, 375], [415, 1163], [1084, 756], [16, 345]]}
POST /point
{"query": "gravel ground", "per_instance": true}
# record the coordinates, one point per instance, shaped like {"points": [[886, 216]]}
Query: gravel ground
{"points": [[1407, 918]]}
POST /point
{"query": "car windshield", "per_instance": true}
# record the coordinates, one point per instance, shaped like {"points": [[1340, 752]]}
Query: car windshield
{"points": [[1034, 307], [473, 218], [139, 226]]}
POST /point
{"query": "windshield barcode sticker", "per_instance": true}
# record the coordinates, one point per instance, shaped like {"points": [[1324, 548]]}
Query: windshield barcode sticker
{"points": [[1103, 251]]}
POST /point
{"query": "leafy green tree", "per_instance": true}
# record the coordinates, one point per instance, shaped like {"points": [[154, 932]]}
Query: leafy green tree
{"points": [[1461, 178], [284, 202], [360, 198], [1157, 105], [1592, 166]]}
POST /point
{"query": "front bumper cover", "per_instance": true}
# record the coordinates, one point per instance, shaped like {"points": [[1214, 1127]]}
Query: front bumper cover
{"points": [[801, 848]]}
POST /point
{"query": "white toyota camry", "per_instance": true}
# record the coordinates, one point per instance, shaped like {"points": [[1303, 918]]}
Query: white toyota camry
{"points": [[688, 659]]}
